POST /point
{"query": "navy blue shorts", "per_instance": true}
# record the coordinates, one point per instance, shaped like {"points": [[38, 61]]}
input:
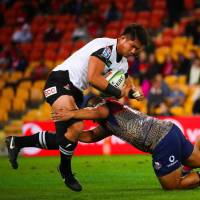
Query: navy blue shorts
{"points": [[172, 151]]}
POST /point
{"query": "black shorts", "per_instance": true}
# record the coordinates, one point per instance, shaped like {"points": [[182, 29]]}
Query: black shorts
{"points": [[59, 84]]}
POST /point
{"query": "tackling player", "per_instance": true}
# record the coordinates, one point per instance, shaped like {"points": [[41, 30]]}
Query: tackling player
{"points": [[64, 86], [163, 139]]}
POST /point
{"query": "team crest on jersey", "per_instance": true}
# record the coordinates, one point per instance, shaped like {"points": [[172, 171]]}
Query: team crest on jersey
{"points": [[67, 87], [157, 165], [106, 53]]}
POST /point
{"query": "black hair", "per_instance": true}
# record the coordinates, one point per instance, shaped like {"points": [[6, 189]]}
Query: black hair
{"points": [[136, 31]]}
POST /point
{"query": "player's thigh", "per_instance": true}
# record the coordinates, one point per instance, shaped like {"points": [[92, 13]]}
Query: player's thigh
{"points": [[64, 102], [194, 158], [172, 180]]}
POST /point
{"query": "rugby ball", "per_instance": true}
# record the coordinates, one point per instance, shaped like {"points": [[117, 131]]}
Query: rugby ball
{"points": [[116, 78]]}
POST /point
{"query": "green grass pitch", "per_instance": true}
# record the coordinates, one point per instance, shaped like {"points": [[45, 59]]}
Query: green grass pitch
{"points": [[102, 177]]}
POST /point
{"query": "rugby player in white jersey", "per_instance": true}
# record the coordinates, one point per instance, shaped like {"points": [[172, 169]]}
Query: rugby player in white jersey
{"points": [[64, 86], [163, 139]]}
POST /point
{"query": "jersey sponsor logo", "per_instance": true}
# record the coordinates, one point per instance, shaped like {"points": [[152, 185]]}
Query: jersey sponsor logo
{"points": [[50, 91], [106, 53], [172, 161], [172, 158]]}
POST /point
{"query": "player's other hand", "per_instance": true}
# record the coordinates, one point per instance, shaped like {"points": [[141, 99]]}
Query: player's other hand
{"points": [[61, 115], [135, 94]]}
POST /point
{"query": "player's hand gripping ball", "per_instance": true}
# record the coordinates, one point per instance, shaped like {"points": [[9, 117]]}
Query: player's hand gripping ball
{"points": [[115, 78]]}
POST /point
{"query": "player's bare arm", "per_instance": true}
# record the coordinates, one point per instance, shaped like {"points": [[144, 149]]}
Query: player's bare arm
{"points": [[100, 112], [95, 70], [88, 136]]}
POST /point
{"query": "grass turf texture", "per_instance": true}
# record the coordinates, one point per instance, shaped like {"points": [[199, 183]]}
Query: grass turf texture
{"points": [[102, 177]]}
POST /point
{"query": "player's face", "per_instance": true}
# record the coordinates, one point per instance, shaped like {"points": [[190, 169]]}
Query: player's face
{"points": [[127, 47]]}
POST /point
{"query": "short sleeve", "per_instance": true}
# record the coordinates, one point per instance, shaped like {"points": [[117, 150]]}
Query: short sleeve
{"points": [[103, 54]]}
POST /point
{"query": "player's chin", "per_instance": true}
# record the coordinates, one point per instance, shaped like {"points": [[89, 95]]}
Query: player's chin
{"points": [[128, 55]]}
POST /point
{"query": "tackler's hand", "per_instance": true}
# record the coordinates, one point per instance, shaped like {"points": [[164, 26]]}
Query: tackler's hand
{"points": [[62, 115]]}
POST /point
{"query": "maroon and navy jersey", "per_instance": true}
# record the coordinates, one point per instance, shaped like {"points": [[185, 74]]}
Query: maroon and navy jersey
{"points": [[142, 131]]}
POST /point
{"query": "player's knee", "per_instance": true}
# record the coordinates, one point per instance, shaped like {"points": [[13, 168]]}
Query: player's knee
{"points": [[77, 126], [190, 181], [169, 186], [182, 183], [63, 126], [186, 183], [74, 130], [170, 182]]}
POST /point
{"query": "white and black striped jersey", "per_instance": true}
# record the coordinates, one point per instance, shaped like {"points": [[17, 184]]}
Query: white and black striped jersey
{"points": [[77, 63]]}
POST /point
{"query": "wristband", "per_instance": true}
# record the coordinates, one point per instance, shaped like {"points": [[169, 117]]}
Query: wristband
{"points": [[133, 94], [111, 90]]}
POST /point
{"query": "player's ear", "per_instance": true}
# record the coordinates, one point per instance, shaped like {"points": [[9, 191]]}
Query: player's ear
{"points": [[122, 37]]}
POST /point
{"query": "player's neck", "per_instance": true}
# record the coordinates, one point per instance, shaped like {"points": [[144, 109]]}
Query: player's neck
{"points": [[118, 57]]}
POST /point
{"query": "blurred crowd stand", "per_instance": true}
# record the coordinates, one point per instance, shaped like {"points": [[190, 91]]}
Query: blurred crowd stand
{"points": [[37, 35]]}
